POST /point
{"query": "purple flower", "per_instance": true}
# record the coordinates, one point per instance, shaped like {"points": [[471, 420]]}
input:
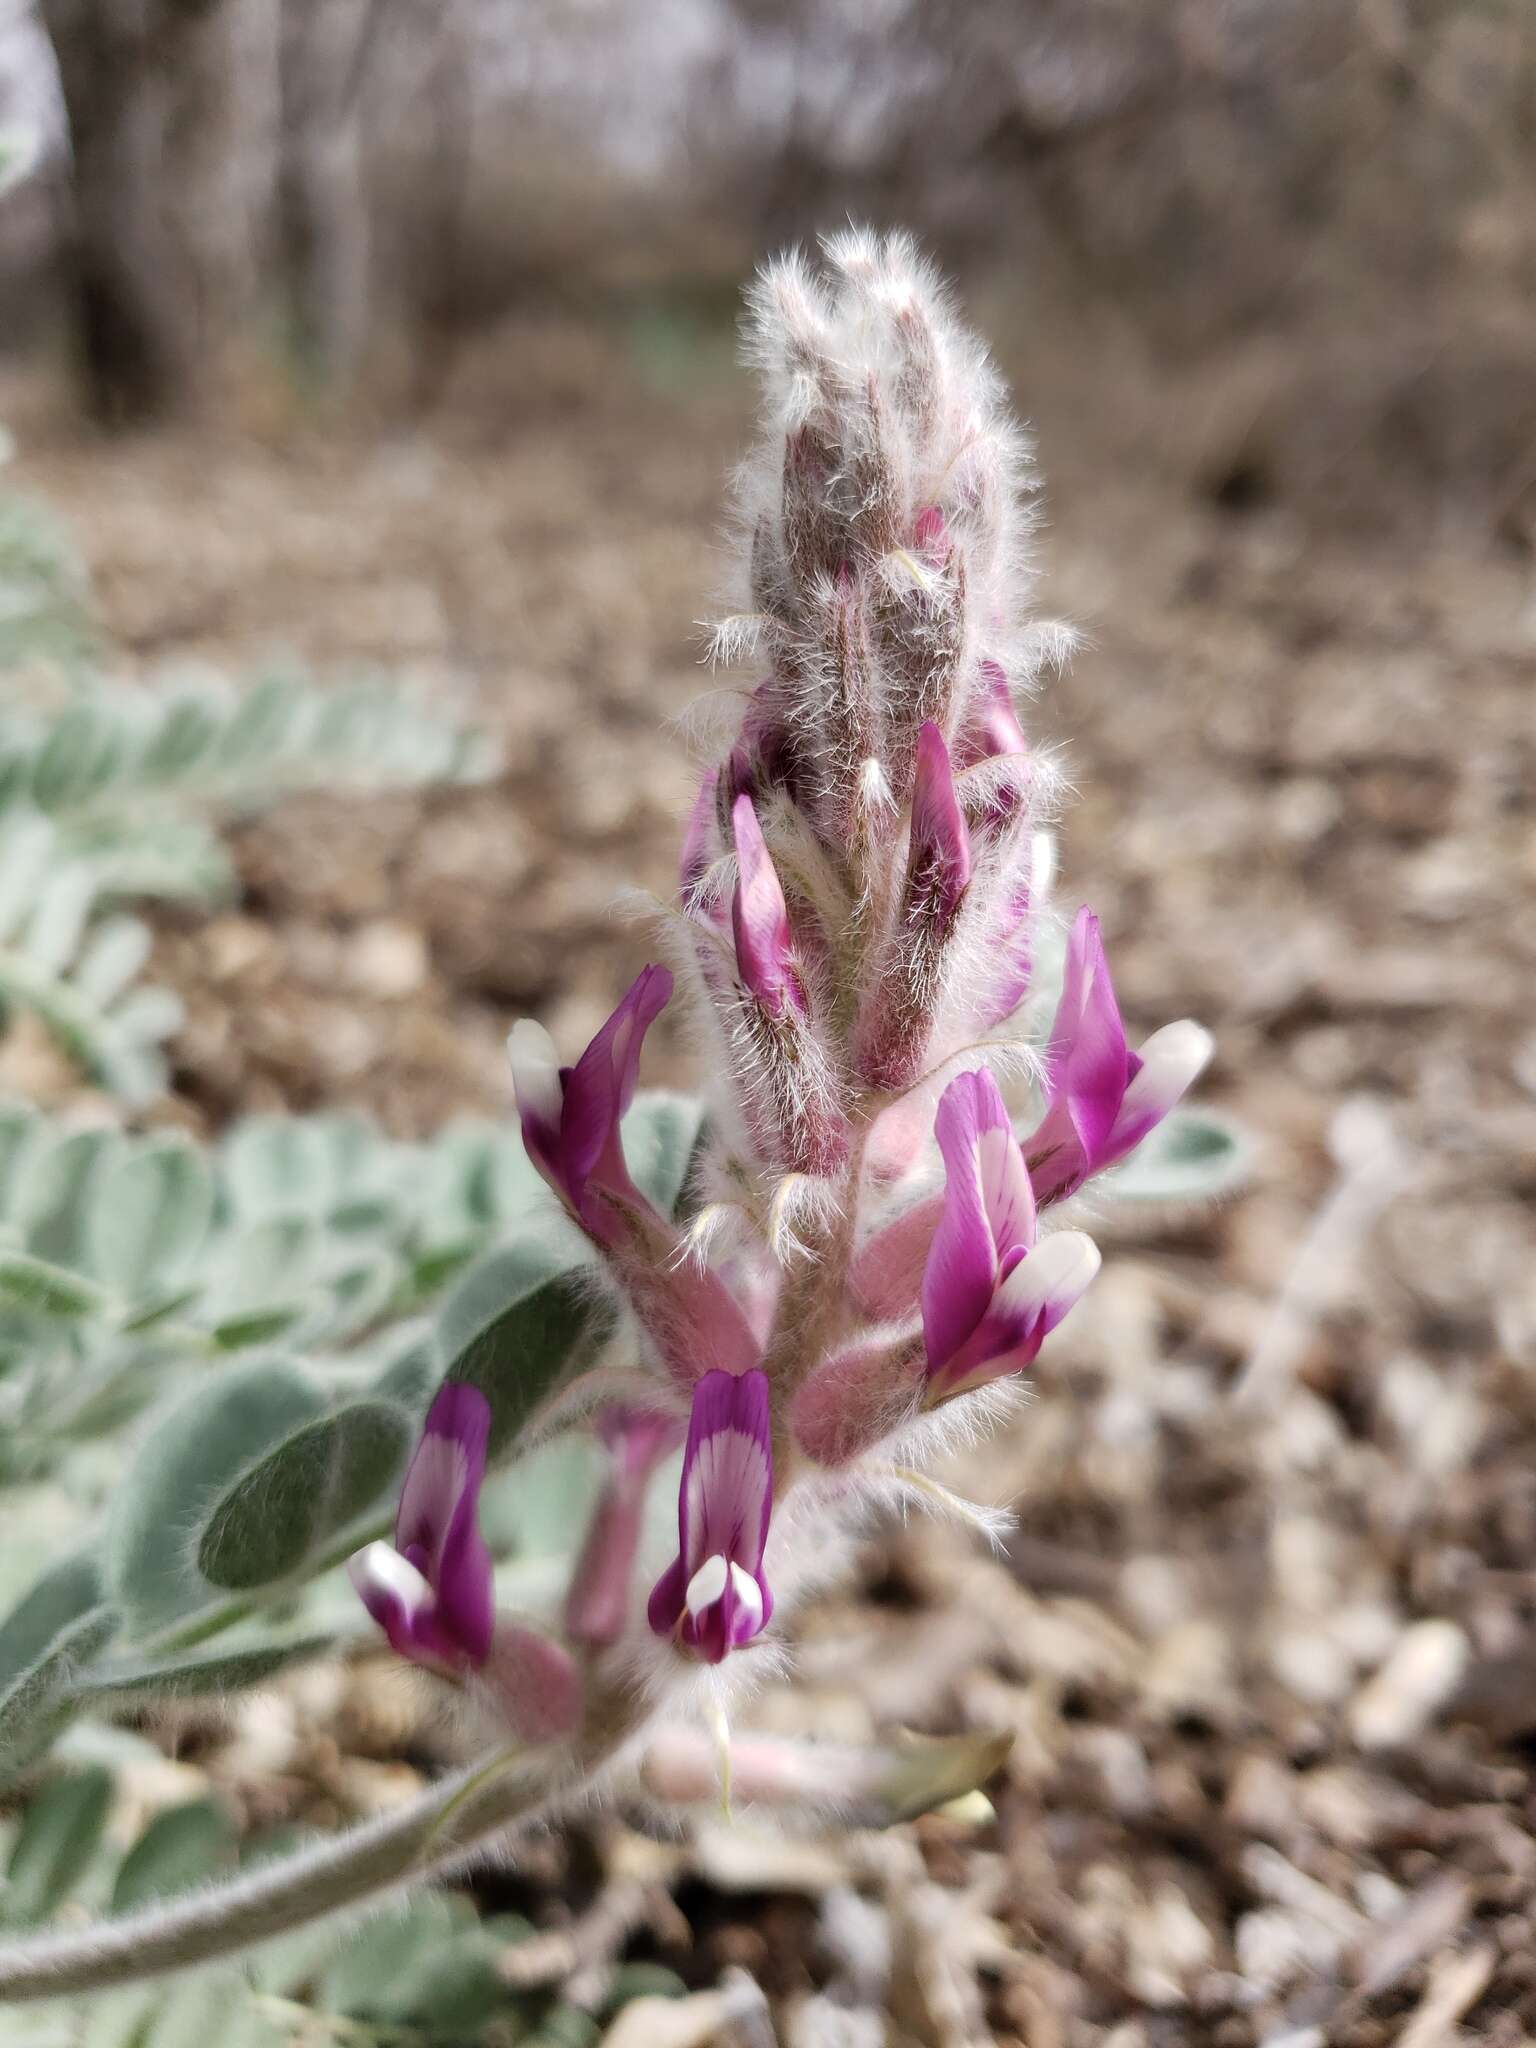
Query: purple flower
{"points": [[714, 1597], [990, 1294], [570, 1115], [432, 1591], [1101, 1098]]}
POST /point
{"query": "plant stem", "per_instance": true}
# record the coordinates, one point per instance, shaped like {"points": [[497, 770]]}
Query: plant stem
{"points": [[427, 1840]]}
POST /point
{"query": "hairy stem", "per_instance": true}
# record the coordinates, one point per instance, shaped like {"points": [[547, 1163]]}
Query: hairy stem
{"points": [[428, 1839]]}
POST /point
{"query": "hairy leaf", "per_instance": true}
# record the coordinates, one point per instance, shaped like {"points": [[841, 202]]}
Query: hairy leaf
{"points": [[59, 1836], [188, 1459], [518, 1326], [313, 1483], [180, 1848]]}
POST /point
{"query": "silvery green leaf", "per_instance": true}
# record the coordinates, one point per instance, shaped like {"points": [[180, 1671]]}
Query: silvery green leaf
{"points": [[112, 959], [316, 1481], [51, 1195], [661, 1138], [188, 731], [430, 1966], [276, 1166], [60, 1833], [40, 1701], [1191, 1156], [235, 1660], [257, 1326], [70, 1589], [48, 1290], [189, 1457], [519, 1326], [181, 1847], [26, 852], [79, 755], [19, 1128], [56, 925], [148, 1213]]}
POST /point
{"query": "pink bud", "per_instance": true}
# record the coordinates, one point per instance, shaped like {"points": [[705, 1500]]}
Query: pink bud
{"points": [[597, 1604], [760, 919]]}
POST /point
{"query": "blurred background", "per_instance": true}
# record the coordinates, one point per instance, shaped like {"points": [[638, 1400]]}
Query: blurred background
{"points": [[402, 335]]}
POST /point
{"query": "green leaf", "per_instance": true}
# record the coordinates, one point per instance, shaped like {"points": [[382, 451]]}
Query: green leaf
{"points": [[518, 1326], [60, 1597], [258, 1326], [149, 1212], [191, 1673], [1191, 1156], [180, 1848], [50, 1199], [316, 1481], [662, 1134], [277, 1166], [193, 1454], [47, 1290], [59, 1836], [39, 1701]]}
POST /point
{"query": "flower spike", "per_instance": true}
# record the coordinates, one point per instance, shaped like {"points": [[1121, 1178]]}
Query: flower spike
{"points": [[714, 1597], [1101, 1098]]}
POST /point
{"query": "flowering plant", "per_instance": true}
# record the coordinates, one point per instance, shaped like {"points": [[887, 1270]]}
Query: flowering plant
{"points": [[856, 1257]]}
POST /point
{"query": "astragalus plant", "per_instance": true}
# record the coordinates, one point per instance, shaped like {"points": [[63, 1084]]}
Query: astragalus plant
{"points": [[852, 1261]]}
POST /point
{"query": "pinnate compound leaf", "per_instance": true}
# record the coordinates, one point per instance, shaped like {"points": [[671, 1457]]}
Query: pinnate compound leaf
{"points": [[59, 1837], [518, 1326], [313, 1483], [192, 1455]]}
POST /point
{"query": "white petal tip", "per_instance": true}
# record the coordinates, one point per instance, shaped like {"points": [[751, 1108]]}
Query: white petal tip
{"points": [[748, 1595], [706, 1585], [1176, 1056], [379, 1569], [535, 1063]]}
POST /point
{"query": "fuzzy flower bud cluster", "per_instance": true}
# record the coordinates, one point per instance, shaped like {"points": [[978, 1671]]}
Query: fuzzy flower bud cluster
{"points": [[875, 1242]]}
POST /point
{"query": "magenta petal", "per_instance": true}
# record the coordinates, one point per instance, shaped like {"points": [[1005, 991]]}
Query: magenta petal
{"points": [[601, 1086], [727, 1470], [1087, 1060], [437, 1526], [714, 1597], [961, 1270], [664, 1610]]}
